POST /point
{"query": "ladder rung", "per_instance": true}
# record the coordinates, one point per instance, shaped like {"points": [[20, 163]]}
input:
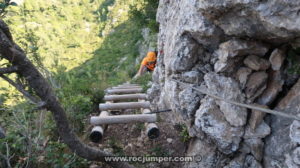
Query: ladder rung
{"points": [[124, 91], [124, 97], [122, 106], [123, 119]]}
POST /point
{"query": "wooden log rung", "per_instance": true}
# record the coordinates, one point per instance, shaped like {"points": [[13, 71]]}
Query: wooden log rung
{"points": [[124, 119], [124, 91], [128, 84], [152, 129], [127, 87], [124, 97], [97, 132], [122, 106]]}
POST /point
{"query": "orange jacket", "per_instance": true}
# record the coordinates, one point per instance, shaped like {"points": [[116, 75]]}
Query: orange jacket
{"points": [[150, 60]]}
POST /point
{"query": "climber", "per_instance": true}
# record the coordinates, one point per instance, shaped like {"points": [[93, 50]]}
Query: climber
{"points": [[148, 63]]}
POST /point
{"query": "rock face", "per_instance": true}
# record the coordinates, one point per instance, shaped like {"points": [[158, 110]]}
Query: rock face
{"points": [[256, 147], [274, 87], [256, 63], [294, 132], [284, 133], [256, 84], [229, 89], [242, 75], [277, 57], [210, 120], [205, 154], [256, 117], [266, 20], [233, 49], [189, 100]]}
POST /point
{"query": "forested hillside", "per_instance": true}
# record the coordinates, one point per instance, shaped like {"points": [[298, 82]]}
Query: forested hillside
{"points": [[81, 47]]}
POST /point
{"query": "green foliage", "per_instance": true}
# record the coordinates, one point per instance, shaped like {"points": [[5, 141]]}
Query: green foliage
{"points": [[143, 81], [184, 133], [116, 146], [140, 126], [159, 151], [29, 142], [293, 56], [4, 4], [103, 9], [57, 158], [145, 14], [81, 47]]}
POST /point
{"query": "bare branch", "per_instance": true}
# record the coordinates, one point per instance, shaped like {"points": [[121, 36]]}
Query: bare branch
{"points": [[5, 29], [21, 89], [11, 69], [6, 157]]}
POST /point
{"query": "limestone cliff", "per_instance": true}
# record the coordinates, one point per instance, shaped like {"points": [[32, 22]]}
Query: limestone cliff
{"points": [[236, 49]]}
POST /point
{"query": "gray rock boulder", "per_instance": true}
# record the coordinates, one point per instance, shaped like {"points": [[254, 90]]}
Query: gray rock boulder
{"points": [[192, 77], [227, 88], [250, 162], [233, 51], [242, 75], [289, 160], [256, 63], [256, 84], [237, 162], [210, 120], [243, 161], [189, 101], [260, 132], [213, 35], [256, 146], [256, 117], [237, 47], [279, 144], [277, 57], [296, 156], [276, 21], [186, 54], [295, 131], [274, 87], [227, 66], [205, 153]]}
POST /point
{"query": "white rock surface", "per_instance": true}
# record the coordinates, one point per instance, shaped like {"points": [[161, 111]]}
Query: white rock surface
{"points": [[256, 63], [210, 119], [213, 36], [295, 131], [227, 88], [256, 84], [279, 143], [277, 57], [242, 75]]}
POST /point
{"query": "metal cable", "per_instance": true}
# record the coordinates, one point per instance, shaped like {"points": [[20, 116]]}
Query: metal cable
{"points": [[253, 107]]}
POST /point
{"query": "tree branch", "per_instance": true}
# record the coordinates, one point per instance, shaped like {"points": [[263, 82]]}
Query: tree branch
{"points": [[6, 157], [11, 69], [2, 133], [21, 89], [16, 56]]}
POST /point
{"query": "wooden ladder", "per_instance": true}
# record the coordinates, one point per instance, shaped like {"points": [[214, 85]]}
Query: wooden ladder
{"points": [[124, 94]]}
